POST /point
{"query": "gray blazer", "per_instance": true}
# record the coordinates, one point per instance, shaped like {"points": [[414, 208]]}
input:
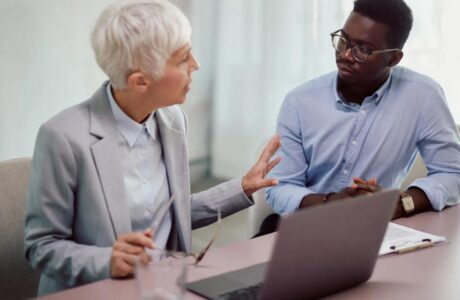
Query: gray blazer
{"points": [[77, 204]]}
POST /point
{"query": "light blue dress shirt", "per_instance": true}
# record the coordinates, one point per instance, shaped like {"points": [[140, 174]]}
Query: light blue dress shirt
{"points": [[327, 141], [144, 171]]}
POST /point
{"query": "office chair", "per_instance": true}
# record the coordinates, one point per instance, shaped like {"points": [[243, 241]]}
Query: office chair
{"points": [[17, 278]]}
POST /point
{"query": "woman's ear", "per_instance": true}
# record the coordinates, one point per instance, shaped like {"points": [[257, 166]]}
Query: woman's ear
{"points": [[137, 82], [395, 58]]}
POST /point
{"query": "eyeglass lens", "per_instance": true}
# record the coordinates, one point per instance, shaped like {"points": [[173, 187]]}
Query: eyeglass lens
{"points": [[340, 44]]}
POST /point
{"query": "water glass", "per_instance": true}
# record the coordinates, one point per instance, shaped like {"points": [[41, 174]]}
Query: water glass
{"points": [[164, 277]]}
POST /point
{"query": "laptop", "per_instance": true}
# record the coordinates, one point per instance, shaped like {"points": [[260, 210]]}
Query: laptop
{"points": [[317, 252]]}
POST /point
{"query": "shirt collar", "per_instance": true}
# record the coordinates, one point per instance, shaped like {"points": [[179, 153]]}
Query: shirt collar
{"points": [[376, 96], [129, 128]]}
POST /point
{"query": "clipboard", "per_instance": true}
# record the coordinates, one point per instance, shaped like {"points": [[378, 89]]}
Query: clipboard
{"points": [[401, 239]]}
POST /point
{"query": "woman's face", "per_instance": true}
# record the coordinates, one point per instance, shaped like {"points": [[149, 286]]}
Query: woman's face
{"points": [[173, 87]]}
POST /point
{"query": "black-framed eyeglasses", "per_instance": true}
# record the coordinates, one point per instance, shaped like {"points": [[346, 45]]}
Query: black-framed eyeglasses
{"points": [[198, 257], [160, 216], [360, 52]]}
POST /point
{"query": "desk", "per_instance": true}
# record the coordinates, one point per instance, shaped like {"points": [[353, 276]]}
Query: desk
{"points": [[432, 273]]}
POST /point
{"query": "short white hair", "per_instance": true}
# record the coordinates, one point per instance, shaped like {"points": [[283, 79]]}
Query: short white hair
{"points": [[138, 35]]}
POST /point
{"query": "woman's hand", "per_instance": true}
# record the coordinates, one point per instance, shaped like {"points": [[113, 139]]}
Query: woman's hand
{"points": [[128, 249], [255, 177]]}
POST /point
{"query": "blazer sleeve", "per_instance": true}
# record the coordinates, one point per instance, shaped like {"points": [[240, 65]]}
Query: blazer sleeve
{"points": [[228, 197], [50, 210]]}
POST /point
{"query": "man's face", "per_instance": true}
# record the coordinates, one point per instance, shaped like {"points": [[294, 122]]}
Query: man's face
{"points": [[371, 34]]}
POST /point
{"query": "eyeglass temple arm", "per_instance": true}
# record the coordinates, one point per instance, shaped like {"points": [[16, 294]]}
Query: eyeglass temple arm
{"points": [[385, 50], [200, 256]]}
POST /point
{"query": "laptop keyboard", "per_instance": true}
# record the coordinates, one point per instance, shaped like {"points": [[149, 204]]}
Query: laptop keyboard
{"points": [[246, 293]]}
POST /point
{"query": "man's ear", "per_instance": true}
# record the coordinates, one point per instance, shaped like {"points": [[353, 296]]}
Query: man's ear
{"points": [[395, 58], [137, 82]]}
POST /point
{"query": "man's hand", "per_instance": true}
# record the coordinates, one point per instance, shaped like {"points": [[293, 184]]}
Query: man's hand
{"points": [[255, 177], [358, 188], [346, 193], [369, 186], [128, 249]]}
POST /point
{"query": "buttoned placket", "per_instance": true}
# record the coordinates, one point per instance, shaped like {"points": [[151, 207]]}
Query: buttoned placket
{"points": [[362, 122]]}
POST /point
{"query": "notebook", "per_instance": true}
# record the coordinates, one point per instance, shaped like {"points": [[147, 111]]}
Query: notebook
{"points": [[317, 252], [402, 239]]}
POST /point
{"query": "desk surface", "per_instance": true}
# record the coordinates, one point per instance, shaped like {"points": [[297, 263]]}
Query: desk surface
{"points": [[432, 273]]}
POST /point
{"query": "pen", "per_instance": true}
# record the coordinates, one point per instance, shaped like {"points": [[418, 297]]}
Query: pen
{"points": [[410, 248]]}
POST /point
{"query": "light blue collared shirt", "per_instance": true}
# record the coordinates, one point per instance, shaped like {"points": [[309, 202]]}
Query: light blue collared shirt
{"points": [[144, 171], [327, 141]]}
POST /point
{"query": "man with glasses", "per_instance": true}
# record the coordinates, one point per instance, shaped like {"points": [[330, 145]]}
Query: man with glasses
{"points": [[357, 130]]}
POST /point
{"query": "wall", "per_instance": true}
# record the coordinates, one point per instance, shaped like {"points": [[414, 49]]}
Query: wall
{"points": [[47, 65]]}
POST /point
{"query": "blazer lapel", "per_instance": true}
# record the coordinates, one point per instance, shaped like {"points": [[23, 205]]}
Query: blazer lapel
{"points": [[174, 151], [107, 160]]}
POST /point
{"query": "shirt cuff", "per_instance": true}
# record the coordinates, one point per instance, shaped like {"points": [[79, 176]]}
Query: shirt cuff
{"points": [[289, 199], [239, 182], [434, 190]]}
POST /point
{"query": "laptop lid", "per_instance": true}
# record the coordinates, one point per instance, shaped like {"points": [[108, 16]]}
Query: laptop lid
{"points": [[318, 251]]}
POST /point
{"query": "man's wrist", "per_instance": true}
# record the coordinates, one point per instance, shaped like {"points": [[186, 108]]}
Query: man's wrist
{"points": [[311, 200], [327, 197]]}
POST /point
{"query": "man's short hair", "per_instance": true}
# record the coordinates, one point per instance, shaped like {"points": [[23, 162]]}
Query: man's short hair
{"points": [[138, 35], [393, 13]]}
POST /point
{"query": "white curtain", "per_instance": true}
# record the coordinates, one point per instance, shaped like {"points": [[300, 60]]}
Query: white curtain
{"points": [[266, 48], [252, 52], [47, 65], [433, 46]]}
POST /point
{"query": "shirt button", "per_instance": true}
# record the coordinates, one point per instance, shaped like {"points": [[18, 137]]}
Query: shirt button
{"points": [[363, 111], [345, 172], [353, 142]]}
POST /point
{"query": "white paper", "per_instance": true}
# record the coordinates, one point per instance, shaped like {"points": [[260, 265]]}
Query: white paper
{"points": [[398, 236]]}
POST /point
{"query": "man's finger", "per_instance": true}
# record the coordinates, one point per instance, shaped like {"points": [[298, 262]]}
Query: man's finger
{"points": [[373, 181], [359, 180], [368, 187]]}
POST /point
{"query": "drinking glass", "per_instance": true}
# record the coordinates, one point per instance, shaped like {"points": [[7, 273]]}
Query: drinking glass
{"points": [[164, 277]]}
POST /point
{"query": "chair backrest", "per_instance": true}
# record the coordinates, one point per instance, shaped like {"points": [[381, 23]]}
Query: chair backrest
{"points": [[17, 278], [418, 170]]}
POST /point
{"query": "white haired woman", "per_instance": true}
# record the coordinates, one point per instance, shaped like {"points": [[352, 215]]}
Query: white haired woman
{"points": [[104, 168]]}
